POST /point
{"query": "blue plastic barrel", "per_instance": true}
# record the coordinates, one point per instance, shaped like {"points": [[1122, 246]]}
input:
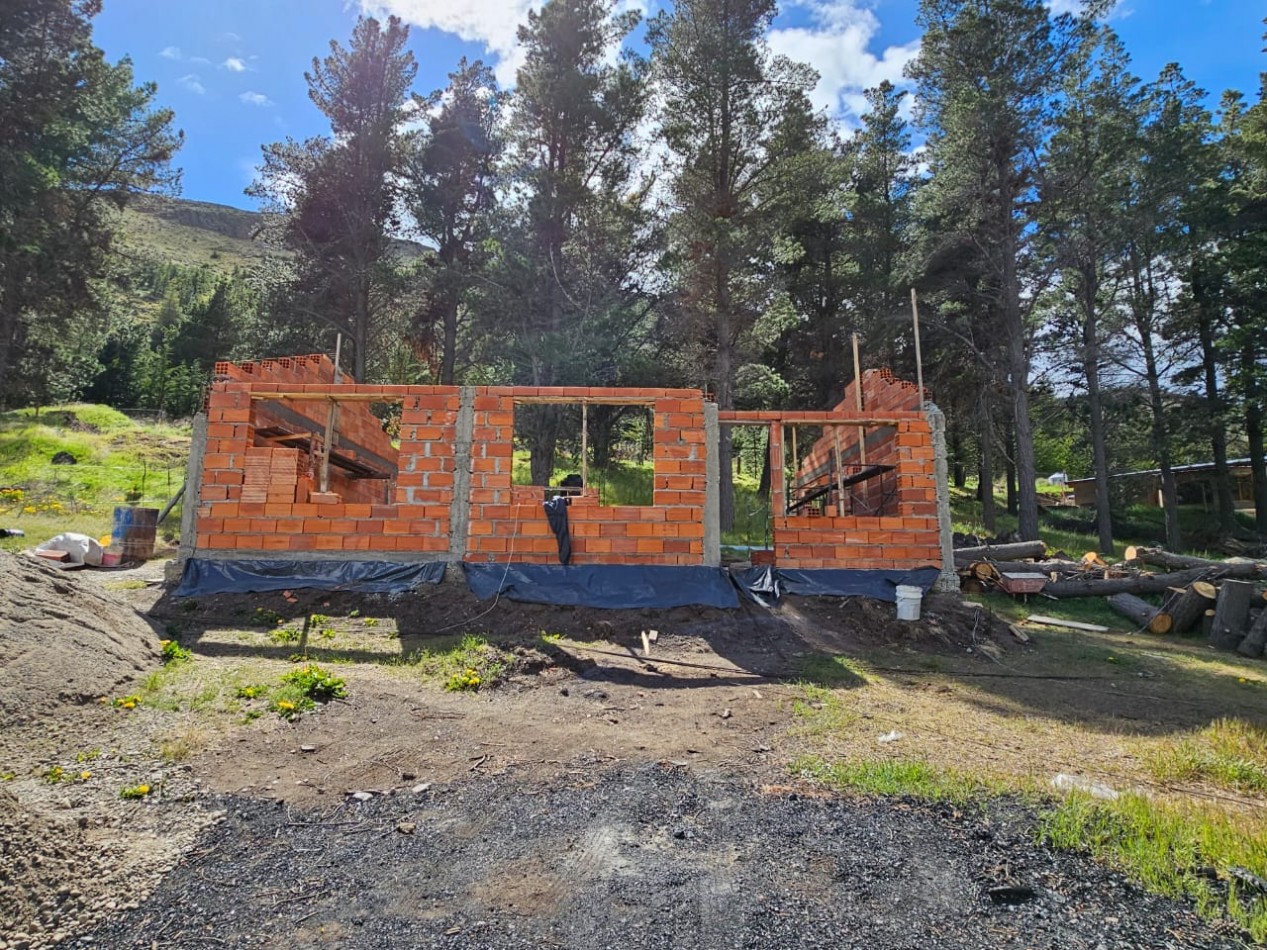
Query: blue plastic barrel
{"points": [[134, 533]]}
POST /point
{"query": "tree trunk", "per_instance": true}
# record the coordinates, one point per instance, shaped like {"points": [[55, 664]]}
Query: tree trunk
{"points": [[1018, 373], [1141, 612], [1161, 440], [1254, 435], [958, 472], [1187, 607], [986, 479], [1017, 549], [1255, 642], [723, 372], [989, 565], [1214, 405], [449, 352], [1179, 562], [1231, 614], [1095, 406], [8, 332], [541, 431], [1009, 468], [1140, 584]]}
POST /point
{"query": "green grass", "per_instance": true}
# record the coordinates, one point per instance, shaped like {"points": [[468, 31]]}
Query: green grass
{"points": [[898, 779], [457, 656], [1073, 531], [1229, 753], [1169, 848], [117, 460], [620, 483], [1080, 609]]}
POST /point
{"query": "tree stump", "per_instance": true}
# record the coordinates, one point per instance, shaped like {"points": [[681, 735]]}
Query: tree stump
{"points": [[1231, 614], [1255, 642]]}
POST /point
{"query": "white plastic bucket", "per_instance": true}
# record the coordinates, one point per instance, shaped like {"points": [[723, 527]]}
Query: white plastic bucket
{"points": [[908, 599]]}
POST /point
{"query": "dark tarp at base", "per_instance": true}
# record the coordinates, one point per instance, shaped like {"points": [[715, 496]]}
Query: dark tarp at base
{"points": [[766, 584], [204, 576], [614, 586]]}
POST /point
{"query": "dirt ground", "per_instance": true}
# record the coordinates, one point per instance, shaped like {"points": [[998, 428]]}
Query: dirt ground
{"points": [[594, 797]]}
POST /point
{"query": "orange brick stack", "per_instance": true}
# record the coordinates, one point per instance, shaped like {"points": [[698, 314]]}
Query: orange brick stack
{"points": [[271, 476]]}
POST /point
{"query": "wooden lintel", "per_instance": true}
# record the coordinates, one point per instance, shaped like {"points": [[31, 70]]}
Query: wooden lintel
{"points": [[584, 401], [735, 417], [328, 397]]}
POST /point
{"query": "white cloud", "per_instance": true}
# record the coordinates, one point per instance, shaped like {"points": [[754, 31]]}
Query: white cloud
{"points": [[255, 99], [170, 52], [234, 65], [193, 84], [200, 60], [493, 23], [837, 44]]}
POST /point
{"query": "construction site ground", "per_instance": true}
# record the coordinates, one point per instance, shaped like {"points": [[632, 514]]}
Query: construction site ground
{"points": [[586, 794]]}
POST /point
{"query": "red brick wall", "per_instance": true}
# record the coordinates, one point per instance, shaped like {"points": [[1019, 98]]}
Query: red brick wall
{"points": [[259, 498], [905, 534], [354, 515], [509, 523], [906, 539]]}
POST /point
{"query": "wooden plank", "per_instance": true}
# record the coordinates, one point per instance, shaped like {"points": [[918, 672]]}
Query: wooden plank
{"points": [[1070, 624], [763, 417], [322, 397]]}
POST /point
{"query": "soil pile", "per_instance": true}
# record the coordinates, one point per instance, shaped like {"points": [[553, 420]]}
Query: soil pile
{"points": [[63, 641]]}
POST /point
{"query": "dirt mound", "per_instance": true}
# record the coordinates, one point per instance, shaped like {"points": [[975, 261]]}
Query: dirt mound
{"points": [[63, 641]]}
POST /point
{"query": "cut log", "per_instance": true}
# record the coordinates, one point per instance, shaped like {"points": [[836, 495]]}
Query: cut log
{"points": [[1255, 642], [1180, 562], [1186, 607], [1021, 567], [1140, 584], [1140, 612], [1012, 551], [1231, 614], [1207, 623]]}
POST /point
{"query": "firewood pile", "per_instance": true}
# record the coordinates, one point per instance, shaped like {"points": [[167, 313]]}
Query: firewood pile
{"points": [[1226, 601]]}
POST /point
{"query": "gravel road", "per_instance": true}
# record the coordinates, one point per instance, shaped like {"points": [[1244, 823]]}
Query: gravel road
{"points": [[646, 856]]}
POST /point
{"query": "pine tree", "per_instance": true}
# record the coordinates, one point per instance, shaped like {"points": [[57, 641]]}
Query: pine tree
{"points": [[336, 197]]}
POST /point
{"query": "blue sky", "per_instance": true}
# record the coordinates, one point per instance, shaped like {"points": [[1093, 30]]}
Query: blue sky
{"points": [[233, 69]]}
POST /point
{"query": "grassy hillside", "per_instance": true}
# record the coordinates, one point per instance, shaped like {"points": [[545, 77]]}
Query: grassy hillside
{"points": [[117, 461], [193, 233]]}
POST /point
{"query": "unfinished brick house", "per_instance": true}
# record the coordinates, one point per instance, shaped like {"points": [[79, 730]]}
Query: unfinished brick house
{"points": [[291, 467]]}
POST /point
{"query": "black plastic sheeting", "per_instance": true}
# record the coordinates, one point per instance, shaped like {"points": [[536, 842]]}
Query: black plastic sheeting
{"points": [[204, 576], [614, 586], [557, 516], [767, 584]]}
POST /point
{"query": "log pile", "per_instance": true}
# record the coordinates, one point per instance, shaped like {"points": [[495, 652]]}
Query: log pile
{"points": [[1223, 601]]}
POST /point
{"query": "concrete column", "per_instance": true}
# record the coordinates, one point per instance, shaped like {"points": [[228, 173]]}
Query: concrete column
{"points": [[948, 580], [460, 507], [189, 507], [712, 487]]}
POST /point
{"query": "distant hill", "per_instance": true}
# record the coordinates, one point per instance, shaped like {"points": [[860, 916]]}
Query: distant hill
{"points": [[194, 232], [201, 233]]}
